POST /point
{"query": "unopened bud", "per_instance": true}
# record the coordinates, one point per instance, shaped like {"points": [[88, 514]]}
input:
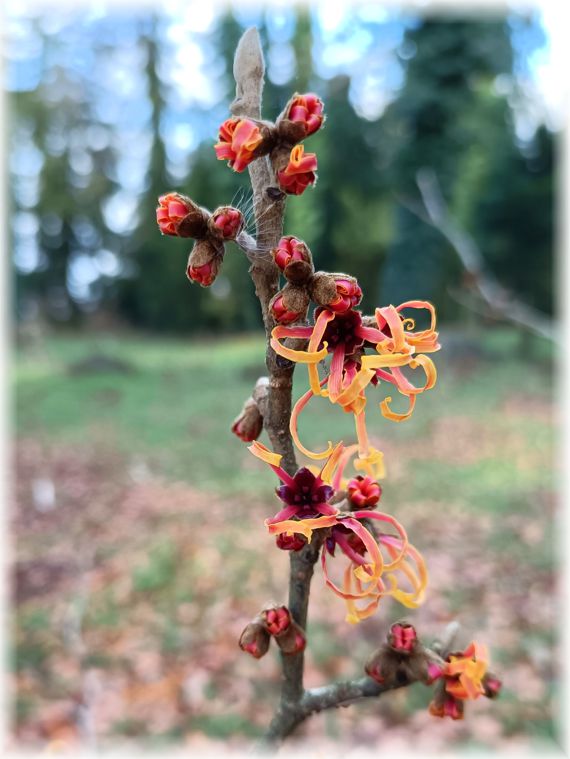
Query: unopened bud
{"points": [[179, 216], [363, 492], [249, 423], [289, 305], [290, 542], [294, 259], [226, 222], [255, 639], [204, 262]]}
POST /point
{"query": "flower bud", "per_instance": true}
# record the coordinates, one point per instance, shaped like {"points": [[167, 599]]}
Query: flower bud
{"points": [[179, 216], [294, 259], [204, 262], [322, 288], [249, 423], [226, 223], [290, 542], [402, 637], [363, 492], [492, 685], [348, 294], [277, 619], [255, 639], [308, 110], [290, 305], [241, 141], [292, 640], [446, 707], [299, 173]]}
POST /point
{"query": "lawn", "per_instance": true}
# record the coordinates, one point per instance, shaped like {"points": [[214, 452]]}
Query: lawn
{"points": [[140, 550]]}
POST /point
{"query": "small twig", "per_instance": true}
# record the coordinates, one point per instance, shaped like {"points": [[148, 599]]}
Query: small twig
{"points": [[500, 302]]}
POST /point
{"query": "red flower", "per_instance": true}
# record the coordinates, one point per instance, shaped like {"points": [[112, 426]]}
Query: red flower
{"points": [[282, 314], [171, 211], [299, 172], [308, 110], [290, 249], [238, 140], [349, 295], [402, 637], [364, 492], [290, 542], [204, 275], [277, 620], [229, 222]]}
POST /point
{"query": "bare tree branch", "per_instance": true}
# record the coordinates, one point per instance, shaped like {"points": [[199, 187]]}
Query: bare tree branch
{"points": [[498, 300]]}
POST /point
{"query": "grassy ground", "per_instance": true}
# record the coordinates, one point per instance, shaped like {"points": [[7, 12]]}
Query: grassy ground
{"points": [[140, 551]]}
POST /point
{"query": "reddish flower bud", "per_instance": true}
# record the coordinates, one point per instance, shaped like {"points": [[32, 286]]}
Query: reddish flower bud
{"points": [[290, 542], [255, 639], [292, 640], [204, 262], [450, 707], [308, 110], [364, 492], [402, 637], [226, 222], [249, 423], [299, 173], [492, 685], [277, 619], [281, 313], [290, 249], [179, 216], [240, 143], [204, 275], [348, 294], [434, 672]]}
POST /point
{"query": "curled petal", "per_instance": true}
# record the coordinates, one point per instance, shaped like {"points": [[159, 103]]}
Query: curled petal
{"points": [[387, 413], [403, 383], [298, 356], [293, 424], [273, 459], [302, 526]]}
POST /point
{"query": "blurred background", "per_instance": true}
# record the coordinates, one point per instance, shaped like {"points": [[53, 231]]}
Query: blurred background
{"points": [[139, 551]]}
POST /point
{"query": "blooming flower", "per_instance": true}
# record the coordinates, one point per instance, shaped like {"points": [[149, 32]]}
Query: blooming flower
{"points": [[361, 354], [308, 110], [307, 509], [463, 676], [238, 141], [299, 172]]}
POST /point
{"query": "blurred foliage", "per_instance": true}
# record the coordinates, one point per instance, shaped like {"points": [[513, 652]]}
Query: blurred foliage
{"points": [[85, 177]]}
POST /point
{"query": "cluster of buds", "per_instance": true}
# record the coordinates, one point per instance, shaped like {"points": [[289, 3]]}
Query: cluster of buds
{"points": [[276, 622], [336, 292], [401, 660], [179, 216], [243, 140], [461, 676]]}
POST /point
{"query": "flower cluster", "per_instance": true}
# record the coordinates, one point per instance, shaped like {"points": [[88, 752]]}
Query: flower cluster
{"points": [[380, 563], [463, 676], [243, 140], [179, 216], [273, 622]]}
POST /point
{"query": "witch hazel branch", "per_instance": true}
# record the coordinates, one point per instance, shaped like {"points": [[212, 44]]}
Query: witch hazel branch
{"points": [[328, 510]]}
